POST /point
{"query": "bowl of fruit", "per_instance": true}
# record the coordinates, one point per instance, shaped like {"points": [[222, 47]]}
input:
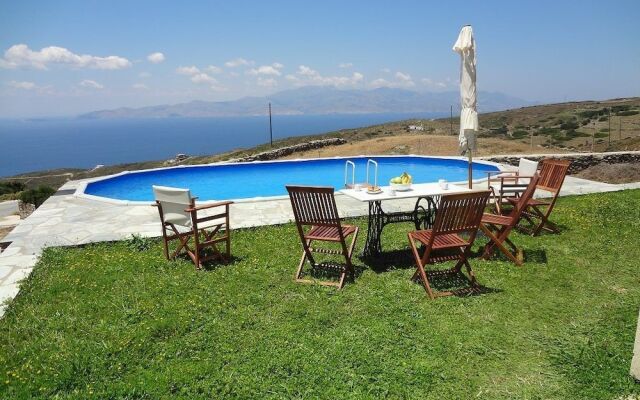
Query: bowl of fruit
{"points": [[402, 182]]}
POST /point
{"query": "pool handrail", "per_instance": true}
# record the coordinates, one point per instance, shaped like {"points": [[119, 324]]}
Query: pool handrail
{"points": [[353, 174], [375, 177]]}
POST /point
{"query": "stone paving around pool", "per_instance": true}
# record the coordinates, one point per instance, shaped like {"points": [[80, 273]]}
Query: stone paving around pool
{"points": [[68, 220]]}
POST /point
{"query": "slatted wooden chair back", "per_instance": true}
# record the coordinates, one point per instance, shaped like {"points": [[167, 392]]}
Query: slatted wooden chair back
{"points": [[552, 174], [521, 204], [459, 213], [314, 206]]}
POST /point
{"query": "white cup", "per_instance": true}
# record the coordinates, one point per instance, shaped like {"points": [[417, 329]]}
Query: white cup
{"points": [[391, 192], [444, 185], [357, 187]]}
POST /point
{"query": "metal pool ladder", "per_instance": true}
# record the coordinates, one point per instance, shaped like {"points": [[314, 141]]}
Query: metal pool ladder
{"points": [[351, 164]]}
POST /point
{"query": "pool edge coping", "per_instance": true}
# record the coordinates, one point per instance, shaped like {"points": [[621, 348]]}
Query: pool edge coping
{"points": [[82, 184]]}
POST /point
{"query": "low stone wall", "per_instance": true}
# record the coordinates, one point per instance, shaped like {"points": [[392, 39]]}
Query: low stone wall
{"points": [[9, 207], [285, 151], [580, 161]]}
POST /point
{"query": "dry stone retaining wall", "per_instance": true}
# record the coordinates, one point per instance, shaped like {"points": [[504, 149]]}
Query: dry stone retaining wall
{"points": [[285, 151], [580, 161]]}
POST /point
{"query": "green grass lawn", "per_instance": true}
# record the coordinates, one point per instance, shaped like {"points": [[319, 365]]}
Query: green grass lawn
{"points": [[109, 321]]}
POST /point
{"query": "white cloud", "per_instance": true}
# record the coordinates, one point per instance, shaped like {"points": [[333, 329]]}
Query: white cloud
{"points": [[404, 80], [308, 76], [214, 69], [192, 70], [140, 86], [267, 82], [144, 75], [345, 65], [200, 78], [155, 58], [433, 84], [20, 55], [385, 70], [378, 83], [237, 62], [88, 83], [203, 78], [401, 80], [277, 65], [265, 70], [22, 85]]}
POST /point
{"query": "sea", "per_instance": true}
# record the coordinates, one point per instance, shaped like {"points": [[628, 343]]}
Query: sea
{"points": [[43, 144]]}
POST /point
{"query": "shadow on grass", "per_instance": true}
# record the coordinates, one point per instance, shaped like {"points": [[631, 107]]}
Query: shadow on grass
{"points": [[538, 256], [389, 260], [527, 229], [455, 282]]}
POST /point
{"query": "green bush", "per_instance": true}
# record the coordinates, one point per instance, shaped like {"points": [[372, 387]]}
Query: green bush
{"points": [[569, 125], [36, 196], [11, 187], [519, 134], [547, 131], [603, 118], [602, 134], [139, 243], [574, 134], [617, 109], [627, 113]]}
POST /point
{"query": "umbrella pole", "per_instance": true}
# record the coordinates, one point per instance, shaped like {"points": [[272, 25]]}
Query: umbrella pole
{"points": [[469, 154]]}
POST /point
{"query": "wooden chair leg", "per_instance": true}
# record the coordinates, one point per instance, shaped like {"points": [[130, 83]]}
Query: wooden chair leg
{"points": [[544, 222], [305, 254], [420, 271], [498, 240]]}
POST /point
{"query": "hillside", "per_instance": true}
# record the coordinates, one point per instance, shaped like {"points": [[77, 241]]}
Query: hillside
{"points": [[549, 128], [318, 100]]}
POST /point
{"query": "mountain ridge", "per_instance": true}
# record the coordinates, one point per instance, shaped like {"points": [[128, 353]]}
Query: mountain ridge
{"points": [[317, 100]]}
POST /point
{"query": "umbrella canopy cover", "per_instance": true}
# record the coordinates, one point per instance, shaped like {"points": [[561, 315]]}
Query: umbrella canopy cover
{"points": [[466, 47]]}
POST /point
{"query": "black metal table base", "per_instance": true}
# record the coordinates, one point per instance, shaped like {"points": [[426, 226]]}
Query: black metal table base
{"points": [[422, 216]]}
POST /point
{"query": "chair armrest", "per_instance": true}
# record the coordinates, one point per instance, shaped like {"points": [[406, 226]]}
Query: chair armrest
{"points": [[204, 207]]}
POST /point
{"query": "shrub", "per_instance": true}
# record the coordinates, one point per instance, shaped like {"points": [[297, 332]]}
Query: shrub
{"points": [[11, 187], [616, 109], [139, 243], [519, 134], [36, 196], [627, 113], [547, 131], [569, 125], [574, 134], [603, 118]]}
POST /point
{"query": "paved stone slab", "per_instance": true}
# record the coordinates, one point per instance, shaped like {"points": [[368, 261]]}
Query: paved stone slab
{"points": [[635, 362]]}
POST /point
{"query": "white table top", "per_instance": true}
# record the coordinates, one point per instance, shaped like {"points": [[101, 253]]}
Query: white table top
{"points": [[417, 190]]}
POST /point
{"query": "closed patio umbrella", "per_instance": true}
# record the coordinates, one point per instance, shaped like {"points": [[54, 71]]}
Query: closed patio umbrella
{"points": [[466, 47]]}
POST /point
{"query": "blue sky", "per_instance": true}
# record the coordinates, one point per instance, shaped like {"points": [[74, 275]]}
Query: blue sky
{"points": [[98, 54]]}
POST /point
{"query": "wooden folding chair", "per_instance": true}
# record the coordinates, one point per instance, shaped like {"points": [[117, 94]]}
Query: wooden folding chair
{"points": [[537, 212], [497, 227], [317, 220], [180, 222], [457, 214], [511, 184]]}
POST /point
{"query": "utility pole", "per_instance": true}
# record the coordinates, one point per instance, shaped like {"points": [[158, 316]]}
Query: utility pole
{"points": [[531, 140], [270, 127], [451, 121], [620, 128], [609, 126]]}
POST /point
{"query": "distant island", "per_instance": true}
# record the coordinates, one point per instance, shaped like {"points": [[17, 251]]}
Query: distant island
{"points": [[317, 100]]}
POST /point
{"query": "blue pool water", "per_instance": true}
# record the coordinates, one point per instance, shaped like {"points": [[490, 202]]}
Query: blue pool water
{"points": [[264, 179]]}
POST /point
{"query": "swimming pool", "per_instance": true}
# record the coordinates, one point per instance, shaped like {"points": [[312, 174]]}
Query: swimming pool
{"points": [[268, 179]]}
